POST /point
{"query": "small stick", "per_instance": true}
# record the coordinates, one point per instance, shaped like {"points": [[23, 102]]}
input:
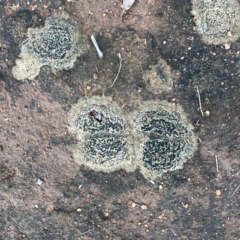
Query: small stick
{"points": [[120, 66], [86, 232], [24, 41], [236, 190], [200, 104], [216, 157], [96, 46]]}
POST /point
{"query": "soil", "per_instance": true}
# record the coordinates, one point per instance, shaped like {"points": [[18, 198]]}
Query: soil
{"points": [[44, 194]]}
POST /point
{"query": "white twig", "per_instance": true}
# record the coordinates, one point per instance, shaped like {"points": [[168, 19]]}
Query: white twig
{"points": [[200, 104], [216, 158], [23, 42], [236, 190], [100, 54], [120, 66], [86, 232]]}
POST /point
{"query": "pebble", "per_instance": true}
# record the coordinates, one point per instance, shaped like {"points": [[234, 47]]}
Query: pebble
{"points": [[207, 113], [218, 192], [143, 207], [95, 76]]}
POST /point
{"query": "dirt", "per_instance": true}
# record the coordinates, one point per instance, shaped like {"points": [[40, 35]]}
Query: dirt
{"points": [[44, 194]]}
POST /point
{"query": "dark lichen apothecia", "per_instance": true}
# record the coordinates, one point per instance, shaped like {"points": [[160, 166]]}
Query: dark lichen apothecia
{"points": [[57, 45]]}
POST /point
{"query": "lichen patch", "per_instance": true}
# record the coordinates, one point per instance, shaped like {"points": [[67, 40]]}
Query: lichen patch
{"points": [[57, 44], [104, 139], [217, 21], [156, 137], [164, 139], [158, 83]]}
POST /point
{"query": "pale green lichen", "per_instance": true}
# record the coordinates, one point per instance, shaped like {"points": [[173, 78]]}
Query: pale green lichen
{"points": [[217, 21], [155, 138], [57, 44], [164, 139], [102, 145]]}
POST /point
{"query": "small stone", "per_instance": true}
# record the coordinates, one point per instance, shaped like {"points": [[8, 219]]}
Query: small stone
{"points": [[229, 33], [89, 87], [207, 113], [160, 187], [185, 205], [133, 205], [218, 192], [39, 181], [36, 206], [79, 210], [95, 76], [143, 207], [227, 45]]}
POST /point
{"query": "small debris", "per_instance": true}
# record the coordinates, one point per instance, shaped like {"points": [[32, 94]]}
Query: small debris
{"points": [[79, 210], [160, 187], [127, 5], [152, 182], [185, 205], [95, 76], [235, 190], [218, 192], [143, 207], [216, 158], [96, 115], [89, 87], [134, 205], [161, 76], [200, 103], [39, 182], [86, 232], [120, 66], [227, 45], [207, 113], [100, 54]]}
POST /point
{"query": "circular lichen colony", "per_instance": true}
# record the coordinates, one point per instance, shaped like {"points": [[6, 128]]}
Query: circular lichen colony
{"points": [[104, 139], [57, 45], [158, 83], [217, 21], [164, 140]]}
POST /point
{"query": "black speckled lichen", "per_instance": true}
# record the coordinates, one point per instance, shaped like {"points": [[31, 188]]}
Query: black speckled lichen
{"points": [[102, 145], [164, 140], [57, 45], [156, 138]]}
